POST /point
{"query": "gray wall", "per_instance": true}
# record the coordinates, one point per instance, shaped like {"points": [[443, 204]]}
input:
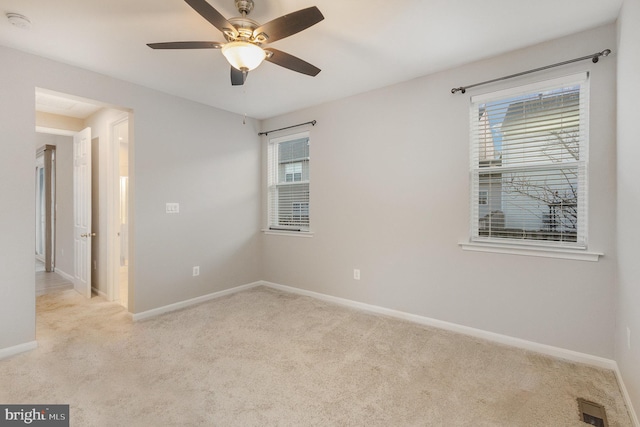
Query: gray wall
{"points": [[17, 210], [390, 196], [201, 157], [628, 190]]}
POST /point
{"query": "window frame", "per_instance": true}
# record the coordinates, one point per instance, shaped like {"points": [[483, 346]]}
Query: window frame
{"points": [[525, 246], [273, 185]]}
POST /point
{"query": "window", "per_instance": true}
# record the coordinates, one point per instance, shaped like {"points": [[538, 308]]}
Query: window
{"points": [[293, 172], [529, 149], [288, 183], [483, 197], [300, 211]]}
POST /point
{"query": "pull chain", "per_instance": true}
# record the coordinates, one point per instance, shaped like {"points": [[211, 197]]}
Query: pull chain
{"points": [[244, 107]]}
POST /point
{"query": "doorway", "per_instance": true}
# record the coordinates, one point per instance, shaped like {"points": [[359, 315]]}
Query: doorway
{"points": [[62, 114], [47, 279]]}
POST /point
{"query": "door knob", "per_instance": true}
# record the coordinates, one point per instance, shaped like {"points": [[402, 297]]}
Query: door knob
{"points": [[88, 235]]}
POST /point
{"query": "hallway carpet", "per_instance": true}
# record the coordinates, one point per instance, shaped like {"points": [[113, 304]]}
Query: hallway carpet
{"points": [[262, 357]]}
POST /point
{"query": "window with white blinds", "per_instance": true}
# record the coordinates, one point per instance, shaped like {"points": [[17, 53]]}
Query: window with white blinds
{"points": [[529, 156], [288, 183]]}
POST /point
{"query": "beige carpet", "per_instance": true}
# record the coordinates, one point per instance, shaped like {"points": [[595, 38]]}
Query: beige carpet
{"points": [[263, 357]]}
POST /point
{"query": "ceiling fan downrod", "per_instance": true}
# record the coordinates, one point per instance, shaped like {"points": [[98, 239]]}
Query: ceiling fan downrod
{"points": [[244, 6]]}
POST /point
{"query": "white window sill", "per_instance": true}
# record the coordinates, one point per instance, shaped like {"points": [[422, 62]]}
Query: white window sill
{"points": [[288, 233], [540, 251]]}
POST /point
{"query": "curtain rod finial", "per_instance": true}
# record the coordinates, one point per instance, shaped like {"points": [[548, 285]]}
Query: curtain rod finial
{"points": [[597, 56]]}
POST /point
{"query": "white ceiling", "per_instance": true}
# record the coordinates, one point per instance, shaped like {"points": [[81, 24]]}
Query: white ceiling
{"points": [[361, 44], [51, 102]]}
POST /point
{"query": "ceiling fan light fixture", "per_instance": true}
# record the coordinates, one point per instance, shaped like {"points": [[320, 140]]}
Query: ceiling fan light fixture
{"points": [[243, 56]]}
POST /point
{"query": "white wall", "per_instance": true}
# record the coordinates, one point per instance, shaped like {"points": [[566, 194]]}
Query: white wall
{"points": [[628, 189], [185, 152], [390, 196]]}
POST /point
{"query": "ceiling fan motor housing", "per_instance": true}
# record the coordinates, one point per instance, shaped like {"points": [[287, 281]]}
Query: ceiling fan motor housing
{"points": [[244, 28], [244, 6]]}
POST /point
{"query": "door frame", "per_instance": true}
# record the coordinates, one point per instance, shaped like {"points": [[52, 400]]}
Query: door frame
{"points": [[113, 208], [47, 230], [109, 184]]}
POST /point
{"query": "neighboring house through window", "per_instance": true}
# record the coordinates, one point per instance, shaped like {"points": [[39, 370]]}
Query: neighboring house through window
{"points": [[293, 172], [288, 183], [483, 197], [529, 152]]}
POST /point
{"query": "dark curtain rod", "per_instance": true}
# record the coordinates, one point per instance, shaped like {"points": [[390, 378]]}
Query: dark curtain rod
{"points": [[312, 123], [594, 58]]}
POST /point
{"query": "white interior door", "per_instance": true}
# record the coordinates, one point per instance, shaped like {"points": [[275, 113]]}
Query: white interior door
{"points": [[82, 211]]}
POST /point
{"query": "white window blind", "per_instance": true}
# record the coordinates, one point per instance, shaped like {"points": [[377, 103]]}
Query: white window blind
{"points": [[288, 183], [529, 156]]}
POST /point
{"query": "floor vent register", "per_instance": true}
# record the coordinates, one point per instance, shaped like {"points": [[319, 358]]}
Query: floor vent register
{"points": [[592, 413]]}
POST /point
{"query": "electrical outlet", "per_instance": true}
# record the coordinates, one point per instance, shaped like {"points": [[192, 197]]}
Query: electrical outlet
{"points": [[628, 338], [196, 270], [356, 274]]}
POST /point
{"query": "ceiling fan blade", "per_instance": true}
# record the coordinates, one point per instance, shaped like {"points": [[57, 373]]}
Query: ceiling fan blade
{"points": [[238, 77], [289, 24], [213, 16], [186, 45], [291, 62]]}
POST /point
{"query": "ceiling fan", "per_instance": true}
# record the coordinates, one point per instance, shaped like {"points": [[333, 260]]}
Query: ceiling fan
{"points": [[245, 38]]}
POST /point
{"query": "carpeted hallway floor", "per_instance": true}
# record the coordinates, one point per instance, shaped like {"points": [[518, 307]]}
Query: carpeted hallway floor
{"points": [[262, 357]]}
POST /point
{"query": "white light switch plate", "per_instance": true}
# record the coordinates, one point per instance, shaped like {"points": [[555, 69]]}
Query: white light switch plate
{"points": [[173, 208]]}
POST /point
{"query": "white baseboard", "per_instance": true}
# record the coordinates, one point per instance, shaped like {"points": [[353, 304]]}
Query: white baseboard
{"points": [[17, 349], [549, 350], [65, 275], [193, 301], [99, 292], [627, 398]]}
